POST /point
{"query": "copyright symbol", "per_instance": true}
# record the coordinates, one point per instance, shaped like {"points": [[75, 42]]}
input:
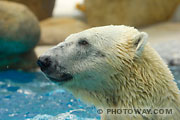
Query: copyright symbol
{"points": [[99, 111]]}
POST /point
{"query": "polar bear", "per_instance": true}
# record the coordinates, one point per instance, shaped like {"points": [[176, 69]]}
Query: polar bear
{"points": [[113, 67]]}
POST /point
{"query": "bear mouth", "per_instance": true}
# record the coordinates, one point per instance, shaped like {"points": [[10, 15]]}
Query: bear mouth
{"points": [[63, 78]]}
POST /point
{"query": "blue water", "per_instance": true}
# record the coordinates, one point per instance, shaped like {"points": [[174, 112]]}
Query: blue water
{"points": [[30, 96]]}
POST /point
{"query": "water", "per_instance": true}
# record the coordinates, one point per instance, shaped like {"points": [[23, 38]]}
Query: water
{"points": [[30, 96]]}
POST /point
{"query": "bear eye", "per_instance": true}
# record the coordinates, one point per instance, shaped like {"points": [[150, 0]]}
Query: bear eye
{"points": [[83, 42]]}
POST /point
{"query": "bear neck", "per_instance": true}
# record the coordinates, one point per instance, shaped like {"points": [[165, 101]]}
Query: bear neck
{"points": [[147, 82]]}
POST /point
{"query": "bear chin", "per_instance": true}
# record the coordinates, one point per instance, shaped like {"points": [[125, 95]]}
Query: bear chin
{"points": [[64, 78]]}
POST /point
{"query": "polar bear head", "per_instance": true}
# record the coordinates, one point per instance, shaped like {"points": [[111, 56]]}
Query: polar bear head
{"points": [[88, 60]]}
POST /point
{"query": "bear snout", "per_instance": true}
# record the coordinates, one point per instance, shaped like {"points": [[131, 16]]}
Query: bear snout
{"points": [[44, 62]]}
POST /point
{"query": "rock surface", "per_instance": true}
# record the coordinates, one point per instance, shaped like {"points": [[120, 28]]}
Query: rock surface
{"points": [[169, 51], [55, 30], [19, 33], [176, 15], [19, 28], [165, 38], [25, 61], [39, 50], [41, 8], [129, 12]]}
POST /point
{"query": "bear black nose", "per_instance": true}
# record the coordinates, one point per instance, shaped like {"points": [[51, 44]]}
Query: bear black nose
{"points": [[44, 62]]}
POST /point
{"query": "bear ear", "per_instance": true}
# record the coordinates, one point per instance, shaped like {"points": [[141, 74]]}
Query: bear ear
{"points": [[139, 41]]}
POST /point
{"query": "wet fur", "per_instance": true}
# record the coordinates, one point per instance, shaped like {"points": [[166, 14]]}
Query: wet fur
{"points": [[137, 81]]}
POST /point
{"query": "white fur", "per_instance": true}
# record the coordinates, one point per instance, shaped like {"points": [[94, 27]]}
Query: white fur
{"points": [[117, 70]]}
